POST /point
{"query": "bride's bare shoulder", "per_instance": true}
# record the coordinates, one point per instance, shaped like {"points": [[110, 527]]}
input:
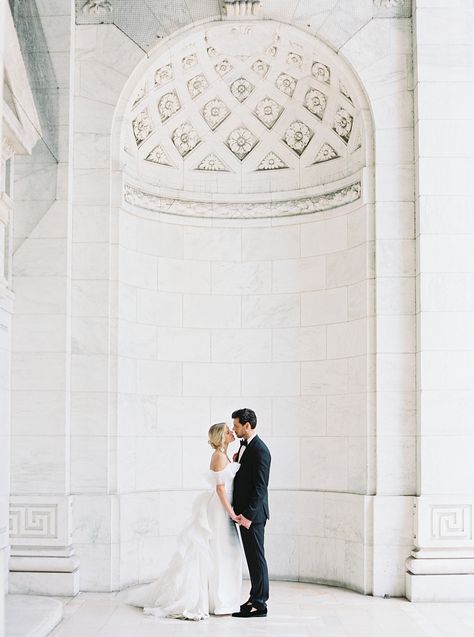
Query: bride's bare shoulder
{"points": [[218, 461]]}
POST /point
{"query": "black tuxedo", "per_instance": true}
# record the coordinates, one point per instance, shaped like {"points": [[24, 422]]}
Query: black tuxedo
{"points": [[250, 499]]}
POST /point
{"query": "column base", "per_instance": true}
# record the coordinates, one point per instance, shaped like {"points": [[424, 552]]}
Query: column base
{"points": [[57, 584], [57, 576], [440, 588]]}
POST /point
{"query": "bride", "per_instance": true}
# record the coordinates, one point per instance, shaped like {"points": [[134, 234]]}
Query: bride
{"points": [[205, 574]]}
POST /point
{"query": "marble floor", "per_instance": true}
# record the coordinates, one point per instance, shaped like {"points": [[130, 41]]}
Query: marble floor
{"points": [[296, 610]]}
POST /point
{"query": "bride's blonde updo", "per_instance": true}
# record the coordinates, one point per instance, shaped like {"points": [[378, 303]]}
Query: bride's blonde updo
{"points": [[217, 435]]}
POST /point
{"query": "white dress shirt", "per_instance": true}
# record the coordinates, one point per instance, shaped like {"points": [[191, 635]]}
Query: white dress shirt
{"points": [[242, 448]]}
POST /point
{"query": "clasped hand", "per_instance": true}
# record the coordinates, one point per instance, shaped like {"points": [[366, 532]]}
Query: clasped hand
{"points": [[241, 520]]}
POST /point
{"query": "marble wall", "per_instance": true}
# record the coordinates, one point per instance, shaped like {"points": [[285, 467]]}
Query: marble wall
{"points": [[213, 318]]}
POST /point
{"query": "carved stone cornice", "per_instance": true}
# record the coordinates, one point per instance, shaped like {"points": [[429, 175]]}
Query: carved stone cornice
{"points": [[136, 197], [242, 9]]}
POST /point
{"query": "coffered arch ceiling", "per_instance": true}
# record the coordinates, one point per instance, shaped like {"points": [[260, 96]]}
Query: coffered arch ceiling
{"points": [[236, 110]]}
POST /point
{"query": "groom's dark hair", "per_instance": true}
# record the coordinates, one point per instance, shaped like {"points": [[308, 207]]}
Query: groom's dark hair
{"points": [[246, 415]]}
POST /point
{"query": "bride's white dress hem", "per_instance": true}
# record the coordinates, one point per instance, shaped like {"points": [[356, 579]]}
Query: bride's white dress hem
{"points": [[204, 576]]}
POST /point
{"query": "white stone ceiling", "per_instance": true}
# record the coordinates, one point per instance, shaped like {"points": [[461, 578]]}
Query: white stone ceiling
{"points": [[262, 105]]}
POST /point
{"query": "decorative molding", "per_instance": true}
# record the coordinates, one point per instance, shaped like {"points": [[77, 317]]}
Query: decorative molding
{"points": [[98, 8], [33, 521], [451, 522], [242, 210], [242, 8], [301, 99], [7, 149], [389, 4], [444, 523]]}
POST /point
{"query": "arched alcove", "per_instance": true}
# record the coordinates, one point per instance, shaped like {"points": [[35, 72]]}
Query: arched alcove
{"points": [[243, 151]]}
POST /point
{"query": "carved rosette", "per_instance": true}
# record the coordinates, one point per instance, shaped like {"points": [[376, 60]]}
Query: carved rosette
{"points": [[142, 128], [241, 142], [164, 75], [343, 124], [215, 112], [185, 138], [197, 85], [321, 72], [268, 111], [286, 84], [298, 136], [241, 89], [261, 68], [316, 102], [168, 105]]}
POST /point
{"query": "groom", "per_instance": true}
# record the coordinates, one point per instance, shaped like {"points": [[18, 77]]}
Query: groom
{"points": [[250, 503]]}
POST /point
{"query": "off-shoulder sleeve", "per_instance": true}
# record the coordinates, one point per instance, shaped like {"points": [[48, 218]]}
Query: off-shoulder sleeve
{"points": [[219, 477]]}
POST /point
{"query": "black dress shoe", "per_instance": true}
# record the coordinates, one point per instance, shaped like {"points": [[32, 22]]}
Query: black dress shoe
{"points": [[250, 611], [246, 605]]}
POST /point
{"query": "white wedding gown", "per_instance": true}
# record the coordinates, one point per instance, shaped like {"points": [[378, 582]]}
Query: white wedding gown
{"points": [[205, 574]]}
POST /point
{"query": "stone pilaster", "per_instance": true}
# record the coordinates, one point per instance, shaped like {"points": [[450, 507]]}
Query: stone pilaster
{"points": [[441, 567], [42, 558]]}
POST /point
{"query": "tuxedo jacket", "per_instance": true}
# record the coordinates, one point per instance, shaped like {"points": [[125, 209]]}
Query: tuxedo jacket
{"points": [[250, 496]]}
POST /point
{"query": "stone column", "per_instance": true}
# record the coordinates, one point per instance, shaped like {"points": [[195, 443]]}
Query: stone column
{"points": [[441, 567], [42, 557], [5, 312]]}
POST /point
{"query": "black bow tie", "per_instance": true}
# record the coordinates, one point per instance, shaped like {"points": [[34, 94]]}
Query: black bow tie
{"points": [[243, 442]]}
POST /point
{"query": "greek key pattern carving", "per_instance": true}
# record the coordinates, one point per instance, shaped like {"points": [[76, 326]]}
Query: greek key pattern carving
{"points": [[255, 210], [34, 521], [451, 522]]}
